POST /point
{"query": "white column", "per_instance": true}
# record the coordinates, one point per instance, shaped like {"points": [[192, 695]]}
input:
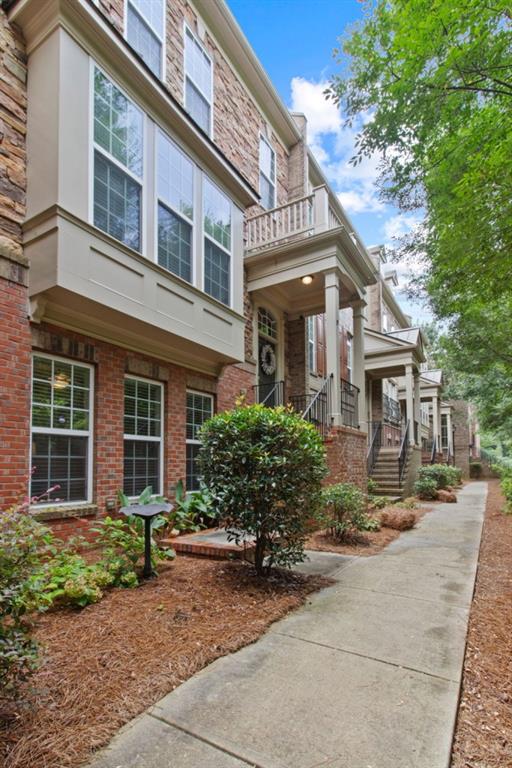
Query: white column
{"points": [[449, 430], [321, 209], [409, 402], [358, 373], [417, 406], [332, 342], [435, 421]]}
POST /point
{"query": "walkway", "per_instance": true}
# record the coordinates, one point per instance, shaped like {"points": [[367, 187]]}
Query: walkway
{"points": [[366, 675]]}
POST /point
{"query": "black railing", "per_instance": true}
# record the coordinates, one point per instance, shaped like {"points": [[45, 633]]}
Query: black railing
{"points": [[349, 404], [433, 452], [404, 448], [391, 410], [374, 445], [315, 407], [271, 394]]}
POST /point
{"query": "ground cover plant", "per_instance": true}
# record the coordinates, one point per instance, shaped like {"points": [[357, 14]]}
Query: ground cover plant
{"points": [[264, 468], [343, 512]]}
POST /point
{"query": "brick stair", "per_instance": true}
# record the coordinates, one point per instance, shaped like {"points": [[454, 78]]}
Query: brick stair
{"points": [[385, 474]]}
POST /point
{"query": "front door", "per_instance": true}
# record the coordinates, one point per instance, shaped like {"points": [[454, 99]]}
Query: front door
{"points": [[267, 367]]}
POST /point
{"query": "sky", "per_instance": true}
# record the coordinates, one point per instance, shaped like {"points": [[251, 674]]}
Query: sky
{"points": [[294, 40]]}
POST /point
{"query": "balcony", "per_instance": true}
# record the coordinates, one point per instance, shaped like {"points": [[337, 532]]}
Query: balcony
{"points": [[391, 410]]}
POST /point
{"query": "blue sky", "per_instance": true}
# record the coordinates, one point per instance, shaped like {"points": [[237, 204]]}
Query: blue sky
{"points": [[294, 40]]}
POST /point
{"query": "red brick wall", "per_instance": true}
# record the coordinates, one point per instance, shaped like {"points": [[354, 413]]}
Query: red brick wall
{"points": [[346, 457], [236, 380]]}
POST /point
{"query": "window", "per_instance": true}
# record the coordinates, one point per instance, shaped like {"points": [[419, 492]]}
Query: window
{"points": [[198, 82], [217, 243], [142, 436], [267, 324], [175, 179], [311, 330], [61, 429], [349, 358], [145, 27], [444, 432], [199, 410], [118, 149], [267, 174]]}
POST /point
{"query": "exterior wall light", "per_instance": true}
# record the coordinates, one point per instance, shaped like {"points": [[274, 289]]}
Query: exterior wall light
{"points": [[307, 279]]}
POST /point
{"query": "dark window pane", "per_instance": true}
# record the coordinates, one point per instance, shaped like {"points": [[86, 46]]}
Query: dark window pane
{"points": [[59, 460], [141, 466], [174, 243], [117, 202], [193, 476], [216, 272]]}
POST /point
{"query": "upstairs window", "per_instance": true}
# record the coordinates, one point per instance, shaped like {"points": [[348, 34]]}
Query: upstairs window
{"points": [[198, 82], [217, 243], [118, 150], [267, 174], [143, 444], [175, 180], [145, 30]]}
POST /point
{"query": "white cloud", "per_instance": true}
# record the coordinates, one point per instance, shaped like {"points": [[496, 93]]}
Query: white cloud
{"points": [[399, 225]]}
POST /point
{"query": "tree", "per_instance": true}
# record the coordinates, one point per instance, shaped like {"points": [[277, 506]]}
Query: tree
{"points": [[264, 468]]}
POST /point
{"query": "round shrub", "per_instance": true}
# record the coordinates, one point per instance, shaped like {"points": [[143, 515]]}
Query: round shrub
{"points": [[344, 511], [426, 488], [264, 468]]}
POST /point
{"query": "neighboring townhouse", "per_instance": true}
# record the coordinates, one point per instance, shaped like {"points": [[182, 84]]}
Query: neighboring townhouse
{"points": [[165, 238]]}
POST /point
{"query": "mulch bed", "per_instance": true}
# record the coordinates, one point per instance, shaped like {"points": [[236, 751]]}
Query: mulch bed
{"points": [[483, 736], [105, 664]]}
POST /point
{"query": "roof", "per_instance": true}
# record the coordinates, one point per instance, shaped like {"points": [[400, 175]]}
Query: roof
{"points": [[434, 376]]}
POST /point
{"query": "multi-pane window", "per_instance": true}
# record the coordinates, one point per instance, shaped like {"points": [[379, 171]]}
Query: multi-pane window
{"points": [[175, 178], [145, 31], [349, 358], [267, 324], [142, 436], [311, 331], [199, 410], [61, 429], [198, 82], [217, 242], [444, 432], [118, 149], [267, 174]]}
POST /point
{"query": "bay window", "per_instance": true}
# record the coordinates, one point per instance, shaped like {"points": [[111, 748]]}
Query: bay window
{"points": [[198, 82], [118, 150], [145, 31], [199, 410], [143, 445], [217, 242], [61, 429]]}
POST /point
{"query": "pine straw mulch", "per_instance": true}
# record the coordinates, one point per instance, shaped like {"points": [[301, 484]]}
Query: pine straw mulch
{"points": [[362, 544], [483, 736], [105, 664]]}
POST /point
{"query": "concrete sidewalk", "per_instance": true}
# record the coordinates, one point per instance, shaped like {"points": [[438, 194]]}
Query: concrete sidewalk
{"points": [[366, 675]]}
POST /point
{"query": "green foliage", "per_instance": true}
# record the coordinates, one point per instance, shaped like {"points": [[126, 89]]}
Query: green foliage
{"points": [[435, 76], [264, 467], [426, 488], [442, 474], [194, 510], [372, 486], [69, 580], [475, 469], [122, 544], [344, 511], [377, 502], [23, 544]]}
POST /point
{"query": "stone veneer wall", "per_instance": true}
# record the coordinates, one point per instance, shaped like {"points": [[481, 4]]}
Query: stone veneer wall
{"points": [[346, 450], [14, 328]]}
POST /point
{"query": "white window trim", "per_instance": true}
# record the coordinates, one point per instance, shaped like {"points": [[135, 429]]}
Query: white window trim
{"points": [[65, 432], [312, 342], [349, 358], [193, 441], [216, 243], [149, 438], [270, 181], [141, 181], [162, 40], [210, 99]]}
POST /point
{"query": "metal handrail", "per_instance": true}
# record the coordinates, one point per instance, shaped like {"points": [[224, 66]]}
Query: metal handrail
{"points": [[402, 456], [349, 404], [318, 410], [433, 451], [374, 447], [277, 388]]}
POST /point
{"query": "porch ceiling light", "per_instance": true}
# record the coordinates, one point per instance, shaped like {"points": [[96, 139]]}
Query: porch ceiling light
{"points": [[307, 279]]}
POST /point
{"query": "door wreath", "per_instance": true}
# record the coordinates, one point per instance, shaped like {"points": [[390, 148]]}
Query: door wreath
{"points": [[268, 359]]}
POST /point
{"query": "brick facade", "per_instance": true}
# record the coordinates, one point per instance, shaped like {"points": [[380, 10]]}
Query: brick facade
{"points": [[461, 435], [346, 457], [296, 358]]}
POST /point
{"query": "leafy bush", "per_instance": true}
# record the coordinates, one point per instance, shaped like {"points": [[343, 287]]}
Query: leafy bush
{"points": [[264, 467], [344, 511], [23, 544], [192, 511], [409, 503], [426, 488], [377, 502], [372, 486], [442, 474], [69, 580]]}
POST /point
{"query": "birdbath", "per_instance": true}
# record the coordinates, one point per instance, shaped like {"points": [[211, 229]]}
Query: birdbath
{"points": [[147, 512]]}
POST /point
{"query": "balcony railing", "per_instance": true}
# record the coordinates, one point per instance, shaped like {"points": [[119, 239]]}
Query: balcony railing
{"points": [[349, 404], [300, 218], [391, 410]]}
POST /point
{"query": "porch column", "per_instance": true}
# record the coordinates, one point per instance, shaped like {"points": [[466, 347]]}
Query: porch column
{"points": [[417, 406], [358, 373], [449, 430], [409, 401], [435, 421], [332, 342]]}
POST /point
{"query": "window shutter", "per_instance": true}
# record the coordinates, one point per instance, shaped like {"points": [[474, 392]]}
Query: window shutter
{"points": [[320, 345]]}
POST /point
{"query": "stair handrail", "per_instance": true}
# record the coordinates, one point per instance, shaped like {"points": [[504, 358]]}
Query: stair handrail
{"points": [[433, 451], [274, 389], [325, 390], [402, 456], [374, 447]]}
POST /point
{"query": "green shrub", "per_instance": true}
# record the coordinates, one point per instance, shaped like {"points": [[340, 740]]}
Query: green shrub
{"points": [[194, 510], [264, 467], [475, 469], [426, 488], [378, 502], [69, 580], [24, 543], [442, 474], [344, 511], [372, 486]]}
